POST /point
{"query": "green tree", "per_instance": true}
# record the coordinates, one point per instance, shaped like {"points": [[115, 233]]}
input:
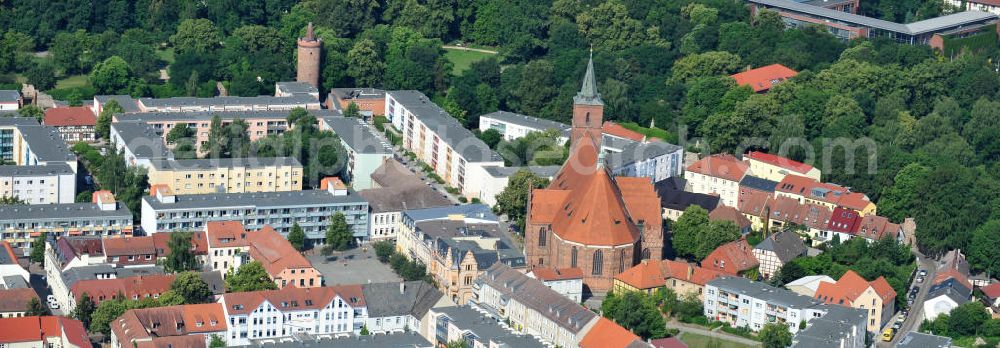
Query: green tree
{"points": [[191, 288], [456, 344], [108, 311], [196, 36], [491, 137], [705, 64], [38, 249], [103, 125], [217, 141], [12, 200], [31, 111], [365, 65], [536, 148], [513, 200], [178, 132], [352, 110], [111, 76], [635, 311], [775, 335], [966, 319], [84, 197], [338, 234], [249, 276], [610, 28], [217, 342], [180, 258], [42, 75], [384, 250], [84, 309], [297, 238], [36, 308], [694, 236], [983, 247]]}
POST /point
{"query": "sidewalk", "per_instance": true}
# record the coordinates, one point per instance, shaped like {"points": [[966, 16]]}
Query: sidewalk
{"points": [[715, 333]]}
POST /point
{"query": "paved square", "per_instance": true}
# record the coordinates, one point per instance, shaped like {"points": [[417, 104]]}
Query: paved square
{"points": [[352, 267]]}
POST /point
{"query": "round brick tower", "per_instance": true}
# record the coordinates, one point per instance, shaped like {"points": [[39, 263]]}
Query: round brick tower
{"points": [[309, 53]]}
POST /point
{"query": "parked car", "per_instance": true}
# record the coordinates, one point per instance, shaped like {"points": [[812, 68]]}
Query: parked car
{"points": [[922, 273], [888, 334], [900, 318], [920, 280]]}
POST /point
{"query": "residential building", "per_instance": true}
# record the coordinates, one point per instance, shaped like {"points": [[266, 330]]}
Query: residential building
{"points": [[140, 143], [775, 168], [455, 249], [877, 298], [228, 175], [401, 307], [365, 150], [311, 209], [808, 190], [14, 301], [531, 307], [391, 173], [565, 281], [62, 282], [48, 184], [47, 331], [10, 100], [588, 211], [607, 334], [451, 324], [617, 131], [847, 26], [741, 302], [945, 296], [913, 339], [370, 101], [75, 123], [126, 102], [190, 325], [777, 250], [807, 286], [387, 204], [839, 327], [291, 311], [648, 276], [764, 78], [976, 5], [135, 288], [731, 258], [231, 245], [991, 296], [259, 103], [656, 160], [260, 123], [727, 213], [11, 272], [104, 217], [294, 88], [674, 200], [440, 141], [497, 178], [717, 174], [513, 125], [398, 339]]}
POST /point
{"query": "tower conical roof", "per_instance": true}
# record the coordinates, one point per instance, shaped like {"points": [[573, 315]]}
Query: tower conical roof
{"points": [[588, 91]]}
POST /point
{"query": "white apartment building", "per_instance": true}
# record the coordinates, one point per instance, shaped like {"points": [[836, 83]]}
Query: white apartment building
{"points": [[717, 174], [365, 151], [48, 184], [271, 315]]}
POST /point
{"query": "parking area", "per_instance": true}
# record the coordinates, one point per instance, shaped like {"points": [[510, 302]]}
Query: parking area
{"points": [[353, 267]]}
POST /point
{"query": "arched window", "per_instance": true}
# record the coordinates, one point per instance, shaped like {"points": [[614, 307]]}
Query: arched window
{"points": [[572, 257], [541, 236], [598, 263], [621, 261], [587, 118], [645, 253]]}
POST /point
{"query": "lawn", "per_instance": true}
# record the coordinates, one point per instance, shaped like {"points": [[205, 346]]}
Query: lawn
{"points": [[701, 341], [166, 55], [461, 59], [73, 81]]}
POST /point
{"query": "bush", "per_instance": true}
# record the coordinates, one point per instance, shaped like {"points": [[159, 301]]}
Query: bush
{"points": [[462, 199], [383, 250], [379, 122], [452, 190]]}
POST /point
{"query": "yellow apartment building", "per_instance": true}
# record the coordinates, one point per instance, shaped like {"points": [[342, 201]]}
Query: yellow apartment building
{"points": [[227, 175]]}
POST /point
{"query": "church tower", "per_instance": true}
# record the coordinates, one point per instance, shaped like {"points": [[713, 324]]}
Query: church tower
{"points": [[588, 109], [309, 53]]}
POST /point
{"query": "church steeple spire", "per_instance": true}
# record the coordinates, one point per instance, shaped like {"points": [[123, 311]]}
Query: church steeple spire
{"points": [[588, 94]]}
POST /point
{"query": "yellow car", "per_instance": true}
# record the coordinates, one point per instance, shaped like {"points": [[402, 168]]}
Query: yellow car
{"points": [[888, 334]]}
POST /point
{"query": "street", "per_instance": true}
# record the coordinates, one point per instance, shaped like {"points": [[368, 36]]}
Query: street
{"points": [[912, 322], [413, 165]]}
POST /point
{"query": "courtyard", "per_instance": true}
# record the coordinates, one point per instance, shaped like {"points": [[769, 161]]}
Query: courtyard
{"points": [[355, 266]]}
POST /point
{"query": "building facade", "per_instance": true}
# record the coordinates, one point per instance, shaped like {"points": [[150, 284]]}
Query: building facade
{"points": [[308, 58], [227, 175], [717, 174], [104, 217], [365, 150]]}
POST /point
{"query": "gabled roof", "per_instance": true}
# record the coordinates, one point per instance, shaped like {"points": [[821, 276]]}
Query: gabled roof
{"points": [[755, 203], [876, 227], [607, 334], [651, 274], [129, 246], [844, 221], [991, 291], [618, 130], [737, 255], [38, 329], [69, 116], [16, 300], [412, 298], [400, 198], [225, 234], [673, 196], [785, 245], [140, 287], [779, 161], [760, 184], [723, 166], [170, 321], [533, 294], [292, 298], [727, 213], [274, 252], [851, 285], [594, 213], [547, 274], [763, 78], [951, 288]]}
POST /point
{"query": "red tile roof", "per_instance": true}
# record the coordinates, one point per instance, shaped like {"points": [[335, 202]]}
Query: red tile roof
{"points": [[10, 252], [16, 300], [949, 273], [844, 221], [992, 290], [274, 252], [292, 297], [779, 161], [594, 210], [129, 246], [225, 234], [876, 227], [606, 334], [883, 289], [172, 321], [553, 274], [763, 78], [614, 129], [731, 258], [723, 166], [727, 213], [37, 329], [851, 285], [755, 203], [161, 241], [69, 116], [651, 274], [101, 290]]}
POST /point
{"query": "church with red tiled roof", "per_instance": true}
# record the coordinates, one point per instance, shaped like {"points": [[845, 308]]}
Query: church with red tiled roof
{"points": [[587, 217]]}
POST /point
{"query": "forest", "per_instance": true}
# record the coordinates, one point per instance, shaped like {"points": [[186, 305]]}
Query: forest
{"points": [[913, 128]]}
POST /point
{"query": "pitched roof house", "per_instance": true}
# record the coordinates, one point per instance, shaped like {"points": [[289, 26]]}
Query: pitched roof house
{"points": [[777, 250], [851, 290], [764, 78], [43, 331], [679, 276], [160, 325], [731, 258], [607, 334]]}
